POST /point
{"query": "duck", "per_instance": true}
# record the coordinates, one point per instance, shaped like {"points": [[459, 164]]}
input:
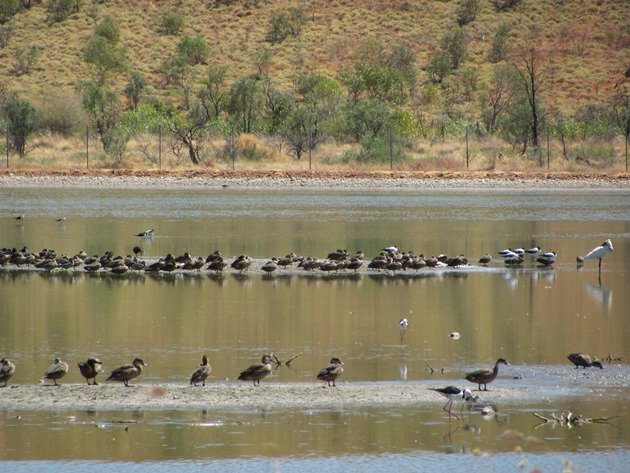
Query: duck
{"points": [[90, 368], [452, 393], [201, 374], [137, 251], [56, 371], [331, 372], [485, 259], [125, 373], [257, 371], [582, 359], [241, 263], [7, 369], [485, 376], [270, 266]]}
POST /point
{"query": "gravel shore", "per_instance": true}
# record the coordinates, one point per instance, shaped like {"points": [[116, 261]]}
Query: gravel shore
{"points": [[306, 180]]}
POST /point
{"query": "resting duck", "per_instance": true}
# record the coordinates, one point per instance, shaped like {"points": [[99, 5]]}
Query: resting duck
{"points": [[90, 368], [126, 373], [581, 359], [485, 376], [257, 372], [7, 369], [201, 374], [56, 371], [331, 372]]}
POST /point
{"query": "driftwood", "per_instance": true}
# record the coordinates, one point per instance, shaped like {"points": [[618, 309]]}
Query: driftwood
{"points": [[610, 359], [278, 362], [569, 420]]}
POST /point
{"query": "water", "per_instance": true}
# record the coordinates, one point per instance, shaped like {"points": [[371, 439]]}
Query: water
{"points": [[532, 317]]}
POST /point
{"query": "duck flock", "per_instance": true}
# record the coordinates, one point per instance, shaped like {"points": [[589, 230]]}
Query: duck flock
{"points": [[389, 261]]}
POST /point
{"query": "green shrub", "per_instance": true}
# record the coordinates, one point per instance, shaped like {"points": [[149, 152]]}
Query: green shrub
{"points": [[375, 150], [172, 23], [25, 59], [8, 8], [108, 28], [21, 120], [6, 32], [60, 113], [467, 11], [59, 10], [499, 43], [193, 50]]}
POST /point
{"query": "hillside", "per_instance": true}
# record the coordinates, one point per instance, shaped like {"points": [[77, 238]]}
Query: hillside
{"points": [[587, 43]]}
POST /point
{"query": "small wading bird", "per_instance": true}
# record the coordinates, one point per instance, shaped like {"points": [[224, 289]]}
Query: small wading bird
{"points": [[56, 371], [89, 369], [331, 372], [146, 233], [257, 371], [20, 217], [125, 373], [596, 253], [455, 393], [201, 374], [7, 369], [485, 376], [404, 325], [581, 359]]}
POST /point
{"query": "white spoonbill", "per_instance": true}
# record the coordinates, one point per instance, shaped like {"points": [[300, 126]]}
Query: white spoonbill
{"points": [[404, 325], [597, 253]]}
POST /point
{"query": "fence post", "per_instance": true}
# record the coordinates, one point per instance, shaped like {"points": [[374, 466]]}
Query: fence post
{"points": [[548, 149], [160, 147], [467, 155], [87, 146], [7, 150], [626, 140], [391, 151]]}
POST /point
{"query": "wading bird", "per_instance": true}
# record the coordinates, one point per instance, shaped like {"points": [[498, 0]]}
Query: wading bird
{"points": [[485, 376], [455, 393], [404, 325], [596, 253]]}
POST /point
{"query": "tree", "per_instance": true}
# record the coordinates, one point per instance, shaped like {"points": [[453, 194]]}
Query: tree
{"points": [[499, 43], [528, 68], [454, 44], [59, 10], [8, 8], [504, 5], [278, 105], [20, 116], [213, 95], [466, 11], [367, 119], [102, 107], [193, 50], [191, 128], [439, 67], [298, 130], [108, 29], [498, 96], [104, 58], [25, 59], [134, 89], [620, 114], [172, 22], [246, 102], [6, 32]]}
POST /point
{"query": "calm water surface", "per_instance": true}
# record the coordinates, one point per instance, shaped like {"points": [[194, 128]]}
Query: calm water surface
{"points": [[534, 318]]}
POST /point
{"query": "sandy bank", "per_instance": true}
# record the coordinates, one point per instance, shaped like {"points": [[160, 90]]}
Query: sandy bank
{"points": [[269, 395], [103, 178]]}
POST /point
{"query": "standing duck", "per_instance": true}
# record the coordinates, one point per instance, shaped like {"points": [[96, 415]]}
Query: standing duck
{"points": [[581, 359], [485, 376], [7, 369], [331, 372], [126, 373], [56, 371], [90, 368], [201, 374], [257, 372]]}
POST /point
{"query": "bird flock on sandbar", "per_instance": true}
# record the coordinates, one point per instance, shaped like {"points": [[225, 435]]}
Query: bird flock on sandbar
{"points": [[388, 261]]}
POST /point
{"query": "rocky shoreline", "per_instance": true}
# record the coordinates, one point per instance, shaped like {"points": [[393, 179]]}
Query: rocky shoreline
{"points": [[102, 178]]}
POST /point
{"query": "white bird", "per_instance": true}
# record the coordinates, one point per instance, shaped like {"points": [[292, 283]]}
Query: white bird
{"points": [[146, 234], [519, 251], [453, 393], [597, 253], [390, 249], [403, 324], [533, 251], [506, 253], [547, 259]]}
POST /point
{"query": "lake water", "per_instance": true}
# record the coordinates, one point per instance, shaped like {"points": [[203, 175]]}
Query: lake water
{"points": [[532, 317]]}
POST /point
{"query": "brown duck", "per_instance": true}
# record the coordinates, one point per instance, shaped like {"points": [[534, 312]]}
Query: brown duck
{"points": [[257, 372], [331, 372], [7, 369], [56, 371], [201, 374], [126, 373], [90, 368], [485, 376], [581, 359]]}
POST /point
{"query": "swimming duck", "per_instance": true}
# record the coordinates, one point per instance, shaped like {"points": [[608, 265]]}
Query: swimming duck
{"points": [[201, 373], [126, 373], [331, 372], [56, 371], [485, 376], [257, 372], [7, 369], [90, 368], [581, 359]]}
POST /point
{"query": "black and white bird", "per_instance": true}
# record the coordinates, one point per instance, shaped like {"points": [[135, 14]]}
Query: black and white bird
{"points": [[146, 234], [390, 249], [454, 393], [597, 253], [547, 259], [20, 217], [404, 325], [533, 250]]}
